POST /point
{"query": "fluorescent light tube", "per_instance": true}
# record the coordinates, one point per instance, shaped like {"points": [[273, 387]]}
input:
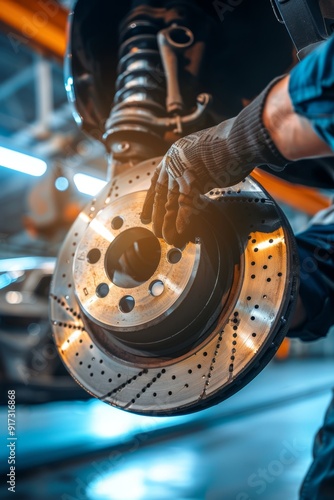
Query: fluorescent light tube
{"points": [[22, 162], [87, 184]]}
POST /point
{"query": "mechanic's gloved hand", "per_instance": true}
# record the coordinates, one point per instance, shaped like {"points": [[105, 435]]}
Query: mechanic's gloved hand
{"points": [[219, 156]]}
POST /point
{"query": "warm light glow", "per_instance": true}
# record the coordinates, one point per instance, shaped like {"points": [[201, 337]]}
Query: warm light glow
{"points": [[100, 229], [250, 344], [271, 242], [22, 162], [14, 297], [74, 335], [87, 184]]}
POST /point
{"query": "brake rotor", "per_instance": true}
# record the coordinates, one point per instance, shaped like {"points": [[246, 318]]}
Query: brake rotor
{"points": [[159, 330]]}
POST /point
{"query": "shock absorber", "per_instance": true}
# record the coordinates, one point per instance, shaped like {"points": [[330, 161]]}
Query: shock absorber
{"points": [[148, 100]]}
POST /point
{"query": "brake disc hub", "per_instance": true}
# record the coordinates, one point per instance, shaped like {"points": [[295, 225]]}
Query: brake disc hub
{"points": [[135, 290]]}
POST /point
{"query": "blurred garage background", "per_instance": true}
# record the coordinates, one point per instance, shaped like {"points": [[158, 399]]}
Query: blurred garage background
{"points": [[68, 445]]}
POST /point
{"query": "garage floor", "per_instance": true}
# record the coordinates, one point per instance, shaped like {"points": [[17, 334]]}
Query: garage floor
{"points": [[255, 445]]}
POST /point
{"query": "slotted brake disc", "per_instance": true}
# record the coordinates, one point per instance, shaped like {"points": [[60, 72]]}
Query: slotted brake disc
{"points": [[158, 330]]}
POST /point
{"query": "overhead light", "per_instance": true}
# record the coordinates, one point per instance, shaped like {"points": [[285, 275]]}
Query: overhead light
{"points": [[87, 184], [22, 162], [61, 183]]}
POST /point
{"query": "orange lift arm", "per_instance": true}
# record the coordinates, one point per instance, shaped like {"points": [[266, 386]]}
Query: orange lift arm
{"points": [[305, 199], [40, 24]]}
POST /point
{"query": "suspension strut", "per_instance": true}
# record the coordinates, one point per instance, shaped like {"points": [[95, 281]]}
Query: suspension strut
{"points": [[148, 101]]}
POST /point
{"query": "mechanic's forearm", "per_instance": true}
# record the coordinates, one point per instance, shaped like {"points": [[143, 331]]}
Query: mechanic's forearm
{"points": [[292, 134]]}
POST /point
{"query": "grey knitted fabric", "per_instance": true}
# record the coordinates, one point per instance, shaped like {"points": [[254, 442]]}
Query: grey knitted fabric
{"points": [[228, 152]]}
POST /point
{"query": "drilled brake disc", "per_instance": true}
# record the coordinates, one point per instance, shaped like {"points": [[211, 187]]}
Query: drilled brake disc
{"points": [[159, 330]]}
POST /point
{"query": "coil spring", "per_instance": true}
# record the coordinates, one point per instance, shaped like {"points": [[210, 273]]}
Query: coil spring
{"points": [[141, 79]]}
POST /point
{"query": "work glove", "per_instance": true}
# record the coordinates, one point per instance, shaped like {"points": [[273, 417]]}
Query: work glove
{"points": [[219, 156]]}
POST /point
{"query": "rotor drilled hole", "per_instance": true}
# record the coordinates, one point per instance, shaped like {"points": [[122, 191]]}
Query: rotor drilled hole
{"points": [[126, 304], [174, 255], [117, 222]]}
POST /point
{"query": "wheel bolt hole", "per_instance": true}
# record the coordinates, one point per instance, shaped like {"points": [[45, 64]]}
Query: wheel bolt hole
{"points": [[102, 290], [117, 222], [174, 255], [156, 288], [127, 303], [93, 256]]}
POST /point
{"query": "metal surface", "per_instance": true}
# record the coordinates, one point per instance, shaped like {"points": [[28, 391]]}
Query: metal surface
{"points": [[157, 330]]}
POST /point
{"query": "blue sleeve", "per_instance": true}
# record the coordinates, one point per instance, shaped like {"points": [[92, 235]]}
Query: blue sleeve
{"points": [[311, 90], [316, 256]]}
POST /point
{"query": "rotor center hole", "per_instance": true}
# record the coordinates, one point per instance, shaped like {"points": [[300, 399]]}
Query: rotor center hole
{"points": [[133, 257]]}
